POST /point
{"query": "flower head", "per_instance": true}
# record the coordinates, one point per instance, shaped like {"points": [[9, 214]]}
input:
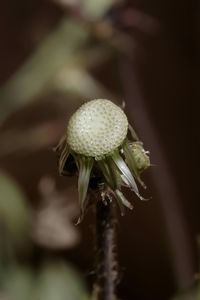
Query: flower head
{"points": [[96, 144], [97, 128]]}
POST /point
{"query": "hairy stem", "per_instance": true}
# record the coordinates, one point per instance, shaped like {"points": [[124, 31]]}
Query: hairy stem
{"points": [[106, 264]]}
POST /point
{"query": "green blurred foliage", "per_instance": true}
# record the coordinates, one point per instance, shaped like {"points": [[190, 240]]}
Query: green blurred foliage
{"points": [[54, 281], [60, 64], [96, 9], [14, 213], [58, 281], [53, 53], [18, 283], [190, 293]]}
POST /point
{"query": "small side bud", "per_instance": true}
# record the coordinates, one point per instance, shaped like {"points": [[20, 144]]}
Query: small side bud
{"points": [[142, 160]]}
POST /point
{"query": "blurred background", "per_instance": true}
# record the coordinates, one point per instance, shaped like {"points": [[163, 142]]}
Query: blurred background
{"points": [[54, 55]]}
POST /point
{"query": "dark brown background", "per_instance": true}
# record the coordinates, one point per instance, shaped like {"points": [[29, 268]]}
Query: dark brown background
{"points": [[162, 82]]}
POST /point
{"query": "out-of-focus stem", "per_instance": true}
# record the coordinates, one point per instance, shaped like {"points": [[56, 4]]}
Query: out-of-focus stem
{"points": [[106, 264], [162, 177]]}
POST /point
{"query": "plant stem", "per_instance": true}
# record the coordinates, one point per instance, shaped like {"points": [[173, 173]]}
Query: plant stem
{"points": [[106, 264]]}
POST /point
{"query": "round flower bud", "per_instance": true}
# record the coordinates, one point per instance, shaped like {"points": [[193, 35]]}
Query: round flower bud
{"points": [[97, 128], [141, 158]]}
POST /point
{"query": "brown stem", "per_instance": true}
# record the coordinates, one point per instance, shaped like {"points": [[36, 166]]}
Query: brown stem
{"points": [[106, 265]]}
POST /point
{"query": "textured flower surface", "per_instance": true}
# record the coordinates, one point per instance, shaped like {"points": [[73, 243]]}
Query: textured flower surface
{"points": [[97, 128], [96, 146]]}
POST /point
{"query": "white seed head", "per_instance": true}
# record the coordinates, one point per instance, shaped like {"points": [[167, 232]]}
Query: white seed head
{"points": [[97, 128]]}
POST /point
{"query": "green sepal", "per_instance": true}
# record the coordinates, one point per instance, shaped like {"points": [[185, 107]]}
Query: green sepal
{"points": [[85, 166], [131, 162], [122, 201], [109, 173], [63, 158], [122, 166]]}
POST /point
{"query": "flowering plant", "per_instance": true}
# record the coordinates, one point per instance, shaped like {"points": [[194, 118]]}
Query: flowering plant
{"points": [[96, 145]]}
